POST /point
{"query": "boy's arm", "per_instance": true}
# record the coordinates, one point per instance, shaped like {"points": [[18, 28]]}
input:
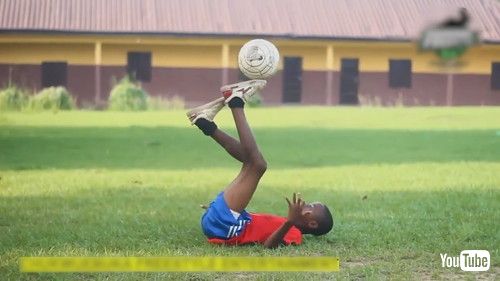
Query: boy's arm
{"points": [[294, 215], [277, 237]]}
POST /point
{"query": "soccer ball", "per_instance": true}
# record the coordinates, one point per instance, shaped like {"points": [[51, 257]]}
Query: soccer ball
{"points": [[258, 59]]}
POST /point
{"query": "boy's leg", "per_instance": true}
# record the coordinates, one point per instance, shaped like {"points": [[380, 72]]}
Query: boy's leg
{"points": [[202, 116], [230, 144], [240, 191]]}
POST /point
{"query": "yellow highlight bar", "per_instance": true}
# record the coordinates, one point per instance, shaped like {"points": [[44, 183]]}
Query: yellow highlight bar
{"points": [[177, 264]]}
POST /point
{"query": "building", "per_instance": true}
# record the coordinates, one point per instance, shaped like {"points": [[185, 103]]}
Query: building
{"points": [[333, 51]]}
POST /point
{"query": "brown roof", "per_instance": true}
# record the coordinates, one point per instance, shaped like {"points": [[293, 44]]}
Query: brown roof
{"points": [[354, 19]]}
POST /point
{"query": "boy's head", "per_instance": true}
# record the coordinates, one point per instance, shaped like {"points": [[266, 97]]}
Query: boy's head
{"points": [[317, 219]]}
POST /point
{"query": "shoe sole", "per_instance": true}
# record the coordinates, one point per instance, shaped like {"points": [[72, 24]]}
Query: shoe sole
{"points": [[242, 84], [228, 90], [193, 113]]}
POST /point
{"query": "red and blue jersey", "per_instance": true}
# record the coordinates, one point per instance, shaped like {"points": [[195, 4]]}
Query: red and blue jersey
{"points": [[260, 227], [221, 225]]}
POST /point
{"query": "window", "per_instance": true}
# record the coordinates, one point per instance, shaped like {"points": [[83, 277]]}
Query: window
{"points": [[54, 74], [349, 81], [495, 76], [400, 73], [139, 66], [292, 79]]}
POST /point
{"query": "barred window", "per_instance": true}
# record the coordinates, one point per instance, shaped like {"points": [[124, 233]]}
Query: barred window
{"points": [[54, 73], [139, 66], [400, 73], [495, 76]]}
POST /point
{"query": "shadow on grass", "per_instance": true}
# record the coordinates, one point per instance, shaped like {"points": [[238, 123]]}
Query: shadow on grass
{"points": [[186, 148], [149, 220]]}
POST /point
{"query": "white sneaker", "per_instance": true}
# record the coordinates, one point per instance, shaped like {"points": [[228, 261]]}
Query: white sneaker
{"points": [[206, 111], [244, 90]]}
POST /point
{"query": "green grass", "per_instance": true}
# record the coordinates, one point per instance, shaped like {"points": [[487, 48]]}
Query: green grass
{"points": [[114, 184]]}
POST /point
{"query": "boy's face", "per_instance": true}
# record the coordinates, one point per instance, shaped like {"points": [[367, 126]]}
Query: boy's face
{"points": [[310, 212]]}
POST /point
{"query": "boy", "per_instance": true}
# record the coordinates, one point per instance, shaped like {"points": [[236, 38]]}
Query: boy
{"points": [[225, 220]]}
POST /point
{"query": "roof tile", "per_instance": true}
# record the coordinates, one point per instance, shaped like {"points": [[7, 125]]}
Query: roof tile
{"points": [[357, 19]]}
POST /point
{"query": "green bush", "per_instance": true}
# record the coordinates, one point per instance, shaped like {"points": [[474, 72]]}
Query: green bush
{"points": [[13, 98], [52, 98], [158, 103], [127, 96], [177, 102], [165, 103]]}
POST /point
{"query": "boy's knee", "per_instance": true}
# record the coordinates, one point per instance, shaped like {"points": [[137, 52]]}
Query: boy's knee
{"points": [[258, 163]]}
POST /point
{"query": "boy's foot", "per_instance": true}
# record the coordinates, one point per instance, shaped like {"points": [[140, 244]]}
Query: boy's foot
{"points": [[244, 90], [206, 111]]}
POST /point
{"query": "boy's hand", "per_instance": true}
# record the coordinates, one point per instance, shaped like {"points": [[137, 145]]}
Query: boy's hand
{"points": [[295, 209]]}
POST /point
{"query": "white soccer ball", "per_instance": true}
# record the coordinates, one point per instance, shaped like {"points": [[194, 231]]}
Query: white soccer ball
{"points": [[258, 59]]}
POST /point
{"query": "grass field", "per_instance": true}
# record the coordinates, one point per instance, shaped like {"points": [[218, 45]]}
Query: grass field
{"points": [[129, 184]]}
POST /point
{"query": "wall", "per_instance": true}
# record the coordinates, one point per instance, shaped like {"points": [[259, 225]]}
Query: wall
{"points": [[193, 68]]}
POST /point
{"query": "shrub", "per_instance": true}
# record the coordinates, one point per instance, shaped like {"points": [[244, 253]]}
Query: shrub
{"points": [[158, 103], [177, 102], [13, 98], [127, 96], [165, 103], [52, 98]]}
